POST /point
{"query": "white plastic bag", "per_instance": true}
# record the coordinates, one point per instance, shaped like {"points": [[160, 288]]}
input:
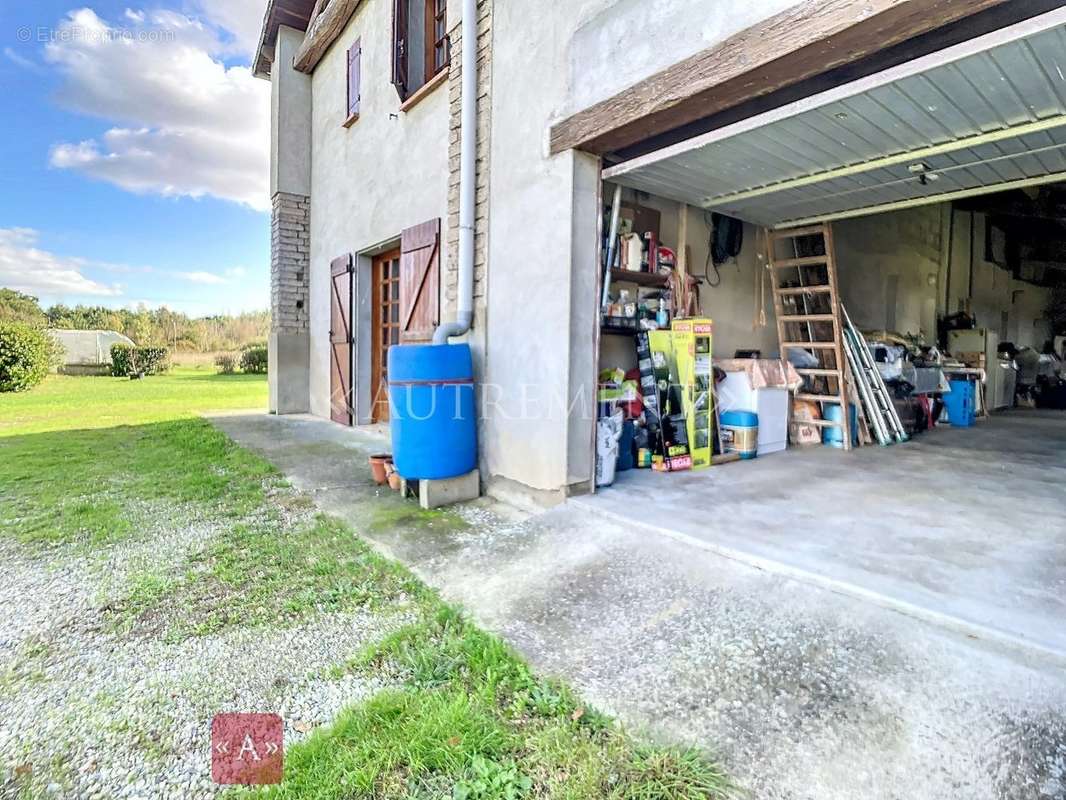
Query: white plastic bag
{"points": [[608, 434]]}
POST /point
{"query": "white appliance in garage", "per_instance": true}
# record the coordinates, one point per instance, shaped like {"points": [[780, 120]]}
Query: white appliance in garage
{"points": [[770, 403], [1006, 383], [1001, 373]]}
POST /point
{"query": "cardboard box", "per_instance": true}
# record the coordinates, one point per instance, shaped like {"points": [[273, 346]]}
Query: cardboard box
{"points": [[693, 347], [976, 360], [673, 433]]}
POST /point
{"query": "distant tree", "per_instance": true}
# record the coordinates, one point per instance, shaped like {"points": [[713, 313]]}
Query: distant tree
{"points": [[162, 326], [24, 308], [101, 319], [61, 316], [140, 328]]}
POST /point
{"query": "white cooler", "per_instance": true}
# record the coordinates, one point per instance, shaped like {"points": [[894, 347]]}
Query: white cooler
{"points": [[771, 404]]}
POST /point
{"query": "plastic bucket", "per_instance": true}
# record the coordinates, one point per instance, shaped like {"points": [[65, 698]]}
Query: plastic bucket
{"points": [[740, 433]]}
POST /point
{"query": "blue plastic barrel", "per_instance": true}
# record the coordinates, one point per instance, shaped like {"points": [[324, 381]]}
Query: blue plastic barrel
{"points": [[740, 433], [834, 437], [434, 421], [961, 403]]}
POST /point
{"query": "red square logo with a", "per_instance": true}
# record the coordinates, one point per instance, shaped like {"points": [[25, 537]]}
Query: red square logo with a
{"points": [[247, 749]]}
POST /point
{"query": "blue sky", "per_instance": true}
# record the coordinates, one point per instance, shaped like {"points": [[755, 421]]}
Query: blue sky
{"points": [[134, 150]]}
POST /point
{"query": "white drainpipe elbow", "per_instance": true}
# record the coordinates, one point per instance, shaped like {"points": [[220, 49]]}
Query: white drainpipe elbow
{"points": [[467, 180]]}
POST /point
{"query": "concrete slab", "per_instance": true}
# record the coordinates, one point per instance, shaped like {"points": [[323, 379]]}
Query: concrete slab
{"points": [[960, 526], [805, 694], [448, 492]]}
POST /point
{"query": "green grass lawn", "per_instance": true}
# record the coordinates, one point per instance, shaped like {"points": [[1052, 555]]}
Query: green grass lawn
{"points": [[80, 455], [89, 463], [64, 402]]}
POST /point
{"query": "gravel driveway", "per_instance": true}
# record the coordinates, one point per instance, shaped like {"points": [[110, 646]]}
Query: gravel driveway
{"points": [[90, 711]]}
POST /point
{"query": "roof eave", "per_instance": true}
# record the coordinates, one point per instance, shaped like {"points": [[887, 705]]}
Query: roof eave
{"points": [[296, 14]]}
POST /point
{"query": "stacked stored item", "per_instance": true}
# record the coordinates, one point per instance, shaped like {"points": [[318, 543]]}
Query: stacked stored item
{"points": [[880, 410]]}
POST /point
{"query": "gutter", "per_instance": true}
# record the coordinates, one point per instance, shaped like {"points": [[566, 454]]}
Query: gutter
{"points": [[467, 180]]}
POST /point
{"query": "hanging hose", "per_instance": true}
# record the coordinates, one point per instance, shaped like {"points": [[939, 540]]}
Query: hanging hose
{"points": [[725, 240]]}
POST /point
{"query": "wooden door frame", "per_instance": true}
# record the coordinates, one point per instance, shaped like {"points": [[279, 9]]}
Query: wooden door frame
{"points": [[343, 265], [378, 370]]}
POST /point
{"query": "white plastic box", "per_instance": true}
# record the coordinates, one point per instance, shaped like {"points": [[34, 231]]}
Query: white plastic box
{"points": [[771, 404]]}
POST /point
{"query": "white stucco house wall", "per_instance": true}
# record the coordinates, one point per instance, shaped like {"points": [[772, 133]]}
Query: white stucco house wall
{"points": [[365, 182]]}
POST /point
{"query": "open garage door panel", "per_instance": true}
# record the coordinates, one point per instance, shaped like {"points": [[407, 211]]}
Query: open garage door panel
{"points": [[983, 116]]}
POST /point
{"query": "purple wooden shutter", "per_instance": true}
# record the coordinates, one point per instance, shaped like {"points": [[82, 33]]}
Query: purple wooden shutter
{"points": [[355, 59], [400, 44]]}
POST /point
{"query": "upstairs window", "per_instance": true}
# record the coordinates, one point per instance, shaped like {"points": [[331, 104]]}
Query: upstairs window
{"points": [[420, 44]]}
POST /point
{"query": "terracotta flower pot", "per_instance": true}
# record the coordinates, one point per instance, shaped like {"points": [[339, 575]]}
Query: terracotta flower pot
{"points": [[377, 468], [395, 481]]}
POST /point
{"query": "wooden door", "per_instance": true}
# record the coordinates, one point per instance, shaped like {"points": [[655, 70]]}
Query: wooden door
{"points": [[386, 328], [340, 340], [420, 282]]}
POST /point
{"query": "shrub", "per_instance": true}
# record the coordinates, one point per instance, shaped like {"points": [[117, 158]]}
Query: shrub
{"points": [[254, 359], [127, 360], [226, 363], [26, 355]]}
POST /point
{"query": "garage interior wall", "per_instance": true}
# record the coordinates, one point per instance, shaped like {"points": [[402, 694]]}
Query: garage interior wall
{"points": [[995, 290], [892, 271], [889, 269], [732, 305]]}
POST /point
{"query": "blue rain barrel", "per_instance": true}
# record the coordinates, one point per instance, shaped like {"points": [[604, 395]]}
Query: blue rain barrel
{"points": [[961, 403], [434, 422], [740, 433], [834, 437]]}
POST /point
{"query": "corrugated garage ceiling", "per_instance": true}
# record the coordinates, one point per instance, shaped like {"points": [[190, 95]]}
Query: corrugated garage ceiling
{"points": [[988, 113]]}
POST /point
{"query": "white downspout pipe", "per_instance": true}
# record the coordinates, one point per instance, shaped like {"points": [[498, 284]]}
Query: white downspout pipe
{"points": [[467, 180]]}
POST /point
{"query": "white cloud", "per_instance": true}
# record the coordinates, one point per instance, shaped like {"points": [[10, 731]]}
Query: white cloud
{"points": [[38, 272], [209, 278], [187, 125], [55, 278], [242, 18], [21, 61]]}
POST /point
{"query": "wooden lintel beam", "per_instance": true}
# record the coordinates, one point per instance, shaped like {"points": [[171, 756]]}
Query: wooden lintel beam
{"points": [[795, 45], [324, 30]]}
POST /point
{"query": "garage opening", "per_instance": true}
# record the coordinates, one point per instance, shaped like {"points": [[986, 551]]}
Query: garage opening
{"points": [[870, 264]]}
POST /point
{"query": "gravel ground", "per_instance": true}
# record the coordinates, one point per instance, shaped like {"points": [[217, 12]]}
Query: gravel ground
{"points": [[86, 712]]}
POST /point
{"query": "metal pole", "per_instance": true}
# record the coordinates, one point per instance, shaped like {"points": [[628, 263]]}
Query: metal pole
{"points": [[612, 245]]}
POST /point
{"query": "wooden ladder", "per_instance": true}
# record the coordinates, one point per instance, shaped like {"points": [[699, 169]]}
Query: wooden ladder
{"points": [[807, 303]]}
